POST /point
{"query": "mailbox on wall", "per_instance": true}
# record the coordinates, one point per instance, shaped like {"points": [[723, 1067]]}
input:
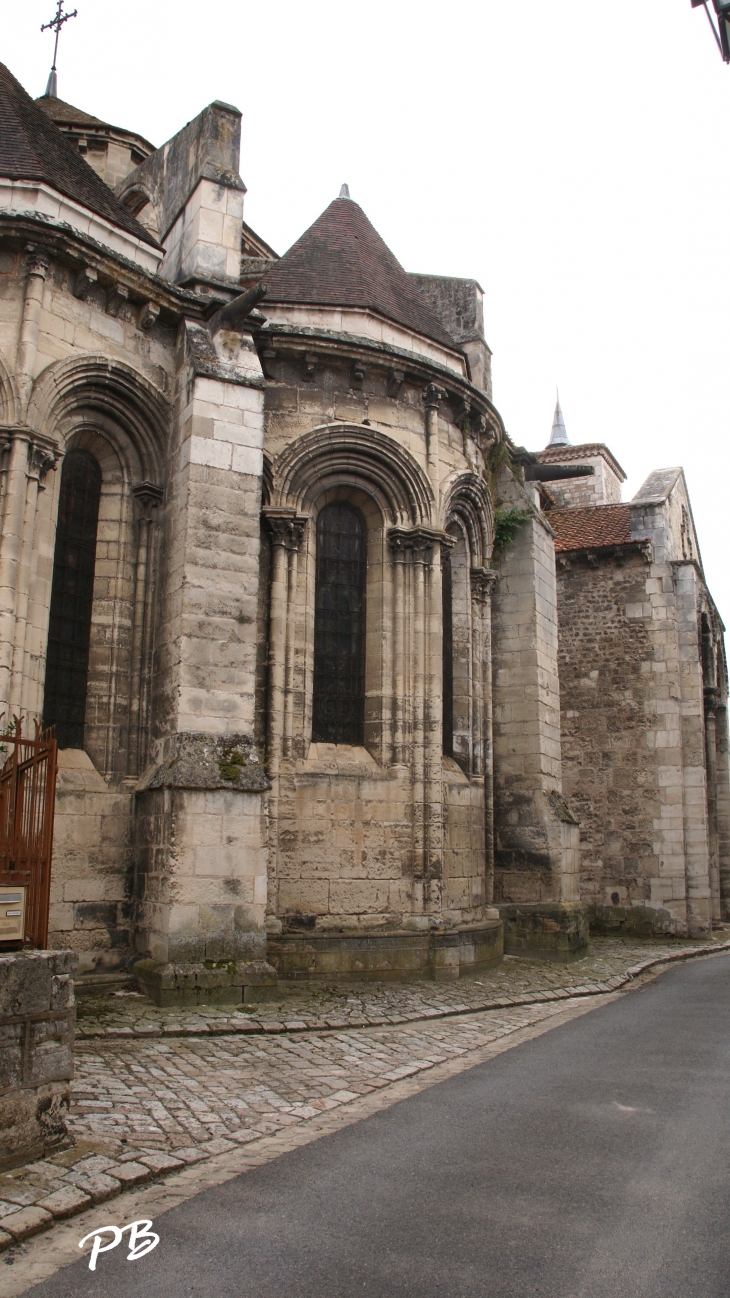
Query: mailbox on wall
{"points": [[12, 914]]}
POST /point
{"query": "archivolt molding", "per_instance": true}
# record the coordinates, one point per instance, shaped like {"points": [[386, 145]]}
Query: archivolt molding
{"points": [[70, 393], [361, 457], [8, 394], [467, 499]]}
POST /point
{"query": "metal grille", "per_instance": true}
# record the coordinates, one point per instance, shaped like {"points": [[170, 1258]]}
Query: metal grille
{"points": [[448, 657], [67, 661], [339, 627], [27, 799]]}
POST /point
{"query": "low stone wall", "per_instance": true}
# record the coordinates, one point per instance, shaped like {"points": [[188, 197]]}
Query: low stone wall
{"points": [[443, 955], [37, 1021]]}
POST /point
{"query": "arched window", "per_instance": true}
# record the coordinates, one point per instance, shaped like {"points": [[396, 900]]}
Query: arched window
{"points": [[448, 656], [339, 627], [67, 659]]}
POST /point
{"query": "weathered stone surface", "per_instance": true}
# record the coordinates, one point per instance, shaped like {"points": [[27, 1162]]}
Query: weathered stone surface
{"points": [[27, 1222], [36, 1052], [65, 1202]]}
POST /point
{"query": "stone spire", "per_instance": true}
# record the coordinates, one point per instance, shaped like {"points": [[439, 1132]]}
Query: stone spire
{"points": [[558, 436]]}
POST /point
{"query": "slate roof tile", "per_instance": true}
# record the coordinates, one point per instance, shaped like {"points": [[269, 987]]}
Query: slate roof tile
{"points": [[342, 261], [33, 148]]}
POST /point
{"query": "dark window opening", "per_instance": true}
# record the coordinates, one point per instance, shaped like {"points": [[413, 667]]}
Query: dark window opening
{"points": [[72, 593], [339, 628], [448, 657]]}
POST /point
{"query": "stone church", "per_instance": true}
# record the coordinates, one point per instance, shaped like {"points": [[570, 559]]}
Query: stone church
{"points": [[343, 681]]}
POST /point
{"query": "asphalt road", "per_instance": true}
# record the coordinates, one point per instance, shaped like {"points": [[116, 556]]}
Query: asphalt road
{"points": [[591, 1162]]}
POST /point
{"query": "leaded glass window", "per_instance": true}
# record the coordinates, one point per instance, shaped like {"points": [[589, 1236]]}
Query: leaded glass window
{"points": [[448, 656], [72, 592], [339, 627]]}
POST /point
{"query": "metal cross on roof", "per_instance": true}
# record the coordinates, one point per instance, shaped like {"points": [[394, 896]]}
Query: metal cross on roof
{"points": [[55, 25]]}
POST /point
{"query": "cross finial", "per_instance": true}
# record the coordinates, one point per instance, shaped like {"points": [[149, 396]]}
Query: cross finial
{"points": [[55, 25]]}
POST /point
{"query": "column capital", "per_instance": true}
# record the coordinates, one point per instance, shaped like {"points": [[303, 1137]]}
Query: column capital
{"points": [[483, 581], [39, 260], [287, 527], [43, 455], [417, 543], [148, 496], [433, 396]]}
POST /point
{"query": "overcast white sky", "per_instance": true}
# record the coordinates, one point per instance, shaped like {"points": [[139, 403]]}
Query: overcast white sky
{"points": [[571, 156]]}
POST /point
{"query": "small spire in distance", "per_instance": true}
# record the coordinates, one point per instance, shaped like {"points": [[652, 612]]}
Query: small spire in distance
{"points": [[558, 436], [344, 191]]}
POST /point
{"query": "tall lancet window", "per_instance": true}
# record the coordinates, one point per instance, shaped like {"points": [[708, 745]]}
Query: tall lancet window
{"points": [[448, 655], [339, 627], [67, 660]]}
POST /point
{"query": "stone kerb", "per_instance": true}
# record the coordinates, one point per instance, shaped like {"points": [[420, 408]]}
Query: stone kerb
{"points": [[37, 1021]]}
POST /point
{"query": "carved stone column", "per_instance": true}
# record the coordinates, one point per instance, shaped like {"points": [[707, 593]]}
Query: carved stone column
{"points": [[401, 649], [417, 566], [712, 698], [287, 533], [38, 266], [43, 455], [483, 581], [147, 497], [433, 396]]}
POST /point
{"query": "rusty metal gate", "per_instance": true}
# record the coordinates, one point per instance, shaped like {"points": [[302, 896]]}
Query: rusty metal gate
{"points": [[27, 799]]}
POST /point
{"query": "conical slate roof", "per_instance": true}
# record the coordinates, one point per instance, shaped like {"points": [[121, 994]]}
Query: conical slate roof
{"points": [[558, 436], [59, 111], [67, 115], [33, 148], [341, 260]]}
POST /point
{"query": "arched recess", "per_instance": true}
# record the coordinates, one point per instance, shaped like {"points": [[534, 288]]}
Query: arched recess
{"points": [[353, 454], [113, 414], [8, 394], [139, 200], [465, 496], [468, 521]]}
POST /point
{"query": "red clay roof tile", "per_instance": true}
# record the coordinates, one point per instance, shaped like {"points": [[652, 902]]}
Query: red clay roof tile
{"points": [[590, 528]]}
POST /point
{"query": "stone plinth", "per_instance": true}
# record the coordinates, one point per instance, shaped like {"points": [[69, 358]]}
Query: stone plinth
{"points": [[434, 953], [37, 1021], [545, 931], [212, 982]]}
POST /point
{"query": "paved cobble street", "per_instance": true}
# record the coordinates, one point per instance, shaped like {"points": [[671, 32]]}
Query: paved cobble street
{"points": [[156, 1090], [372, 1004]]}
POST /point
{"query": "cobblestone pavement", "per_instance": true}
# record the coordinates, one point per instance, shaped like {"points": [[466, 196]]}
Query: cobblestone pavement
{"points": [[372, 1004], [145, 1108]]}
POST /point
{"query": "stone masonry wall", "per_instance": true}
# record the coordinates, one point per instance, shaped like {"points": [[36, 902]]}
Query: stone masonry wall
{"points": [[37, 1019], [633, 747], [610, 776]]}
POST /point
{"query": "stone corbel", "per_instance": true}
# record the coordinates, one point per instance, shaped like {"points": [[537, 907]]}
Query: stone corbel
{"points": [[310, 366], [357, 374], [396, 379], [116, 297], [83, 281], [148, 315], [286, 526], [268, 356], [483, 581], [148, 496]]}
